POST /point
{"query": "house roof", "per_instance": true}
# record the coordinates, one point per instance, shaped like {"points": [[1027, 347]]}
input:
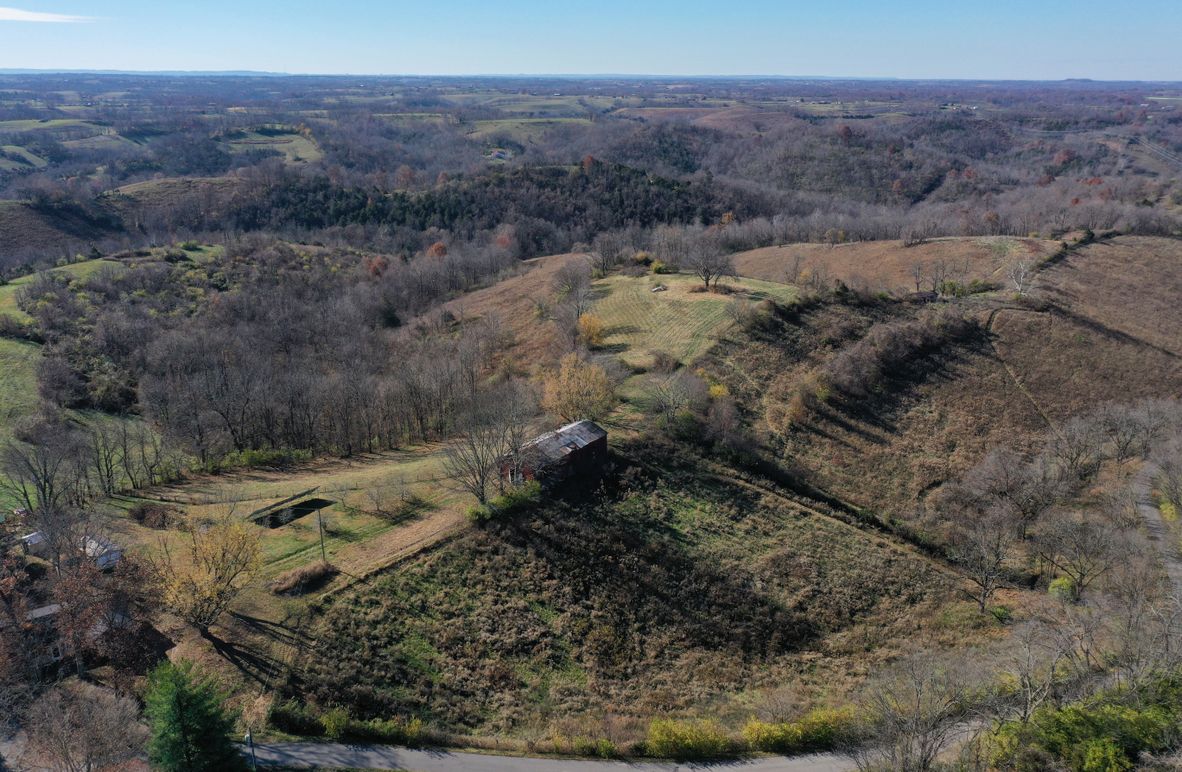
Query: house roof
{"points": [[556, 445]]}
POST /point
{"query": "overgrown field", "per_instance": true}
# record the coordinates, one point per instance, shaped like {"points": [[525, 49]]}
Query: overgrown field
{"points": [[890, 266], [1027, 366], [664, 592]]}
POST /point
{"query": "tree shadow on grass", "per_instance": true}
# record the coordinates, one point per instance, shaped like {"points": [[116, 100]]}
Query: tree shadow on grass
{"points": [[253, 663]]}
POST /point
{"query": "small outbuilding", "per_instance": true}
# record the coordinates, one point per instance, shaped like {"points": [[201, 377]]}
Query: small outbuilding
{"points": [[35, 544], [578, 449], [105, 554]]}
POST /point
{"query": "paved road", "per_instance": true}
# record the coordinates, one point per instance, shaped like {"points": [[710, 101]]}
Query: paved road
{"points": [[1159, 532], [391, 757]]}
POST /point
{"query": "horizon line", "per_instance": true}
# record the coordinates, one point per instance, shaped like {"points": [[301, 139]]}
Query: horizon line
{"points": [[567, 76]]}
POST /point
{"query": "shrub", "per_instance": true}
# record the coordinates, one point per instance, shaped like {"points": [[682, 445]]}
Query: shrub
{"points": [[512, 501], [152, 515], [718, 391], [659, 267], [300, 580], [819, 730], [293, 718], [391, 732], [603, 748], [664, 362], [592, 329], [1062, 588], [266, 458], [687, 740], [335, 722], [1107, 732]]}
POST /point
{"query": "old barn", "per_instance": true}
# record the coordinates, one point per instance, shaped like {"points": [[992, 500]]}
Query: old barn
{"points": [[575, 450]]}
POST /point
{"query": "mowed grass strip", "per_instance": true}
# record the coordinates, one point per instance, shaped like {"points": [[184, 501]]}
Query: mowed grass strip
{"points": [[351, 533], [676, 321]]}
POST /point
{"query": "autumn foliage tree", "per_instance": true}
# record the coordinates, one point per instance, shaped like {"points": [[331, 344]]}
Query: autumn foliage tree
{"points": [[579, 390], [592, 329], [219, 562]]}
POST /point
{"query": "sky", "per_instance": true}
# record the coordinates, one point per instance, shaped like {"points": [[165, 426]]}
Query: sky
{"points": [[976, 39]]}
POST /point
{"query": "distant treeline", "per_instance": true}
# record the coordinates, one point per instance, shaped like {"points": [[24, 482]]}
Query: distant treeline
{"points": [[549, 206]]}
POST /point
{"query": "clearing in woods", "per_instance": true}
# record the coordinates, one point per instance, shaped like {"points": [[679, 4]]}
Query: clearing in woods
{"points": [[677, 320], [296, 147]]}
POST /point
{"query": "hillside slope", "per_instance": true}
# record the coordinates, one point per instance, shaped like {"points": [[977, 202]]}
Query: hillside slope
{"points": [[1102, 326], [668, 590]]}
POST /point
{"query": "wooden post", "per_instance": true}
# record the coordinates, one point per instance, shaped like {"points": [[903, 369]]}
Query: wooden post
{"points": [[320, 520]]}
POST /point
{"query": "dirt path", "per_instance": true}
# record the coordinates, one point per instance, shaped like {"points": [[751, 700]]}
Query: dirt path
{"points": [[1159, 531], [334, 755]]}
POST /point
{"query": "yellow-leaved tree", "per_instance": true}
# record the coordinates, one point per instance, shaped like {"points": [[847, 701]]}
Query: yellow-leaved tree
{"points": [[218, 562], [578, 390], [592, 329]]}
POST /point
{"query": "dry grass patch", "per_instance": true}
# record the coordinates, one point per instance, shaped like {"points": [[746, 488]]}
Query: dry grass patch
{"points": [[1128, 286], [888, 265]]}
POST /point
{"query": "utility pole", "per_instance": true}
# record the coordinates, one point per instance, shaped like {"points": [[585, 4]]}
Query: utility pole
{"points": [[320, 520], [254, 762]]}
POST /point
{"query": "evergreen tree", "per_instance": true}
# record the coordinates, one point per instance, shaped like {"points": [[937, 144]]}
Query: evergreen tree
{"points": [[190, 729]]}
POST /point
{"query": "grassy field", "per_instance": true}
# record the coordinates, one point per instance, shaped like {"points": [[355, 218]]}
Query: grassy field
{"points": [[678, 322], [296, 148], [18, 383], [18, 126], [33, 161], [1109, 335], [522, 129], [354, 540], [532, 104]]}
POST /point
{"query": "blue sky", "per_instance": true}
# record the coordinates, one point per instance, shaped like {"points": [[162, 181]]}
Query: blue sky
{"points": [[1030, 39]]}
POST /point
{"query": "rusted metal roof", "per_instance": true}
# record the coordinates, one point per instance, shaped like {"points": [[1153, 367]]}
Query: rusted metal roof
{"points": [[556, 445]]}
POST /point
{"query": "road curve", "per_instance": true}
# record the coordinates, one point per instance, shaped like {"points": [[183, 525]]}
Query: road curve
{"points": [[330, 755]]}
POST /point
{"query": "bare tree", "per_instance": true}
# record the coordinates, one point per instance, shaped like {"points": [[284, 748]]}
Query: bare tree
{"points": [[42, 475], [1077, 447], [918, 271], [1005, 480], [1082, 549], [983, 548], [937, 274], [491, 434], [675, 393], [1021, 274], [572, 286], [77, 727], [795, 266], [912, 712], [1030, 664], [1118, 424], [608, 250], [709, 262]]}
